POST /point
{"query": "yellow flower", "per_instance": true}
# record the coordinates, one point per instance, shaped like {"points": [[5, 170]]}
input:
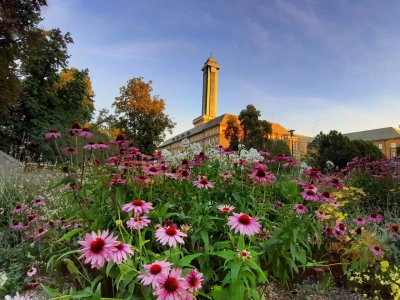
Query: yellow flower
{"points": [[384, 265], [118, 222]]}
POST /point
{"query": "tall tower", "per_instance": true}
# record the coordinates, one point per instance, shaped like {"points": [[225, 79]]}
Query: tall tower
{"points": [[210, 92]]}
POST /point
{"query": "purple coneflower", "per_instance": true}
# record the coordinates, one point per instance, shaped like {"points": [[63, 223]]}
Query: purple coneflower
{"points": [[98, 248], [360, 221], [310, 195], [376, 250], [225, 208], [375, 218], [138, 207], [138, 222], [154, 272], [85, 133], [244, 224], [172, 286], [19, 208], [90, 146], [203, 183], [31, 272], [300, 209], [170, 235], [262, 176], [52, 134], [122, 252], [194, 280], [38, 202]]}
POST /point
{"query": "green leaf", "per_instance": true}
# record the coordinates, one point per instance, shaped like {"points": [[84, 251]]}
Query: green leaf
{"points": [[81, 294], [185, 261], [227, 254], [69, 234], [73, 270], [51, 292], [204, 237]]}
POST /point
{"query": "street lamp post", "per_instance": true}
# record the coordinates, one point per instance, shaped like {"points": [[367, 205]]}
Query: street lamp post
{"points": [[291, 141]]}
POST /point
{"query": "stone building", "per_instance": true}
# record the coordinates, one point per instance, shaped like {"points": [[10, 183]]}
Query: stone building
{"points": [[385, 139], [209, 128]]}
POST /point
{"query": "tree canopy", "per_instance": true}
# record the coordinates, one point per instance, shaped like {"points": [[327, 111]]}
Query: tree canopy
{"points": [[141, 115], [338, 149]]}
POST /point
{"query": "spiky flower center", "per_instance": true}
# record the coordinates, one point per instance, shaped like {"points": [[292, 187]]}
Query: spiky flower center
{"points": [[155, 269], [171, 231], [97, 245], [18, 206], [260, 172], [193, 282], [204, 181], [137, 202], [120, 137], [171, 284], [244, 219], [395, 228], [326, 194], [120, 246], [153, 169], [310, 193]]}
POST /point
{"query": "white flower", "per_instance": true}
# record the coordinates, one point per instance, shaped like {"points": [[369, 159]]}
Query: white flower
{"points": [[3, 279]]}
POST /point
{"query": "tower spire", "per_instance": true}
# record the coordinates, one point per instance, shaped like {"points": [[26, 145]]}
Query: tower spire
{"points": [[210, 92]]}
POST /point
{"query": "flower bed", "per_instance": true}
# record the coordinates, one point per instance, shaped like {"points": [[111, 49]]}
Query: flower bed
{"points": [[202, 223]]}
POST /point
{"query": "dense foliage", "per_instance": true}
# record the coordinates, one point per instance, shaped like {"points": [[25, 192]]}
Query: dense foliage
{"points": [[38, 88], [213, 223], [141, 115], [339, 150]]}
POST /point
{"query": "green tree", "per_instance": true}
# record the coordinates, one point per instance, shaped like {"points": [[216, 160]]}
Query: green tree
{"points": [[232, 132], [18, 30], [255, 131], [338, 149], [141, 115]]}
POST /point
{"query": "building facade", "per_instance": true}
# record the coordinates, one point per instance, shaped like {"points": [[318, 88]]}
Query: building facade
{"points": [[385, 139], [209, 129]]}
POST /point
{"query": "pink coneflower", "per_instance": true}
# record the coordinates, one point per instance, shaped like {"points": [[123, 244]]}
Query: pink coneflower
{"points": [[376, 250], [52, 134], [360, 221], [102, 146], [40, 232], [328, 231], [185, 163], [98, 248], [173, 174], [244, 224], [120, 140], [38, 202], [33, 284], [138, 222], [244, 254], [75, 129], [90, 146], [194, 280], [203, 183], [143, 180], [32, 218], [15, 225], [300, 209], [227, 175], [335, 182], [264, 153], [31, 272], [152, 170], [225, 208], [312, 173], [326, 197], [117, 180], [138, 207], [262, 176], [185, 174], [320, 215], [375, 218], [310, 195], [19, 208], [171, 286], [170, 235], [70, 150], [122, 252], [201, 156], [154, 272], [340, 229], [85, 133], [19, 297]]}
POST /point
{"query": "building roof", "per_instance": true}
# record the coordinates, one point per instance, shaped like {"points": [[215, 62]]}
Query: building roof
{"points": [[195, 130], [374, 134]]}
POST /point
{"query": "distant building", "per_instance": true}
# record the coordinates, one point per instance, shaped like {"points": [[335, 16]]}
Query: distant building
{"points": [[209, 129], [385, 139]]}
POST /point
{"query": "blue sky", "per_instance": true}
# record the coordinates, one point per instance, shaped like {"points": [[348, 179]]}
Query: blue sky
{"points": [[310, 65]]}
